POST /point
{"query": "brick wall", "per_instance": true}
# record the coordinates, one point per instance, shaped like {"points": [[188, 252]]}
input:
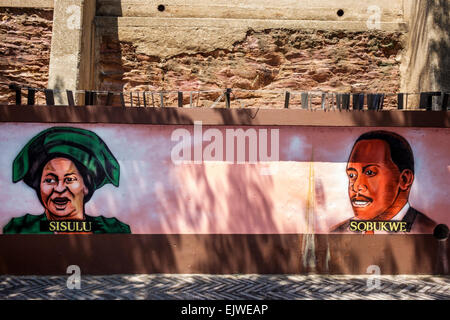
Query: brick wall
{"points": [[25, 39]]}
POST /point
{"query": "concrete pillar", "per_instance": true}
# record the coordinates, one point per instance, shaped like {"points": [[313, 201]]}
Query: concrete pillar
{"points": [[426, 61], [72, 49]]}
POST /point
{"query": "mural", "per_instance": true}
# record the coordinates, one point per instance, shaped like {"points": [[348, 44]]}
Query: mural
{"points": [[380, 171], [65, 166], [181, 179]]}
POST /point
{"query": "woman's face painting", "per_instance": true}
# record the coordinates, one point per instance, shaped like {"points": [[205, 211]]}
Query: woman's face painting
{"points": [[62, 190]]}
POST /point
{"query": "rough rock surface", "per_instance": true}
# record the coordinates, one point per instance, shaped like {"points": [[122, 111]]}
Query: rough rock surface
{"points": [[25, 40], [272, 59]]}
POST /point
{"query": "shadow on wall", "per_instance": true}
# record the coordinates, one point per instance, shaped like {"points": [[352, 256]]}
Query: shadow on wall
{"points": [[394, 254], [429, 46], [58, 87], [243, 116], [402, 118], [441, 46], [219, 254], [241, 205]]}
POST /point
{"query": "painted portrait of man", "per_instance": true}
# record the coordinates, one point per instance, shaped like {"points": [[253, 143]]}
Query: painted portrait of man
{"points": [[380, 171], [65, 165]]}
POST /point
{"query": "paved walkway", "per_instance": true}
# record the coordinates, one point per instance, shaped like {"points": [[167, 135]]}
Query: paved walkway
{"points": [[228, 287]]}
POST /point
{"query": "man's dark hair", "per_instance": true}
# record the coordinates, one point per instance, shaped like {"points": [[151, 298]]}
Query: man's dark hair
{"points": [[401, 152]]}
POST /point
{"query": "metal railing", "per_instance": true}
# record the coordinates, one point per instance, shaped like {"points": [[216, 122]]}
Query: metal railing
{"points": [[308, 100]]}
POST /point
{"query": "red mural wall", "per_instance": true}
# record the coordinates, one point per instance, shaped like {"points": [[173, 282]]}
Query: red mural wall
{"points": [[222, 191]]}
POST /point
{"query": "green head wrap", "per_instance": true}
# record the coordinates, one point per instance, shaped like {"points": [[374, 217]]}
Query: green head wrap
{"points": [[89, 153]]}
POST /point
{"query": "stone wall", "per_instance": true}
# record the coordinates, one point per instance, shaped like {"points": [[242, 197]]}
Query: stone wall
{"points": [[188, 47], [270, 59], [25, 37]]}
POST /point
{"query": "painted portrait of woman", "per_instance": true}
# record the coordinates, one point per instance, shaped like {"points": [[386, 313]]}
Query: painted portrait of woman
{"points": [[65, 166]]}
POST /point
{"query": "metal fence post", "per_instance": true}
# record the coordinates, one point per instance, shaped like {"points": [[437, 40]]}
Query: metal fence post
{"points": [[18, 92], [70, 100], [180, 99], [31, 96], [286, 99], [227, 98], [49, 97]]}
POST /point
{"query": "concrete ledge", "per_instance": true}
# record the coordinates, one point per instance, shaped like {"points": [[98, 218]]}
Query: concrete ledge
{"points": [[105, 23], [219, 254], [221, 116], [391, 11]]}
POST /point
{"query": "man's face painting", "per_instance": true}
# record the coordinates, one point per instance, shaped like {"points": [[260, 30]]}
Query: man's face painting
{"points": [[62, 189], [374, 179]]}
